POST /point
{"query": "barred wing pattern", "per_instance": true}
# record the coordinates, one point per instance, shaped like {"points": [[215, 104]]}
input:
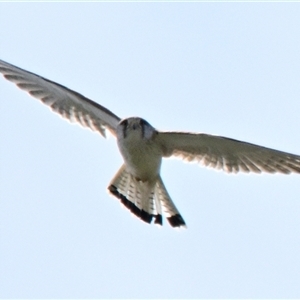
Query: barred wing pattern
{"points": [[227, 154], [69, 104]]}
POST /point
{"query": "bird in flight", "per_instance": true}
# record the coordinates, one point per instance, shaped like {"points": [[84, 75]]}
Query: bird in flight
{"points": [[138, 184]]}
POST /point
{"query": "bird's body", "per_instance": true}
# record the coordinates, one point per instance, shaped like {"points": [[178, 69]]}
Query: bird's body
{"points": [[140, 152], [138, 184]]}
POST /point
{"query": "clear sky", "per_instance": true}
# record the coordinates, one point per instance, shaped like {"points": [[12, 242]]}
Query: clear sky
{"points": [[231, 69]]}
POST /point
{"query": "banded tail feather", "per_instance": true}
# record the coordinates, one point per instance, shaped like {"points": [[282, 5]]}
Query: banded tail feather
{"points": [[146, 200]]}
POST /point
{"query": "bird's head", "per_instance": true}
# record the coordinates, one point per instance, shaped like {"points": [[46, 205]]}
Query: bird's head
{"points": [[135, 126]]}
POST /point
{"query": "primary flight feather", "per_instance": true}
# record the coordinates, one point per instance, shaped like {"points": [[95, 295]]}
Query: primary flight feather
{"points": [[138, 184]]}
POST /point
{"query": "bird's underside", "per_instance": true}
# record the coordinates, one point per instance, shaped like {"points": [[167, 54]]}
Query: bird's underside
{"points": [[138, 184]]}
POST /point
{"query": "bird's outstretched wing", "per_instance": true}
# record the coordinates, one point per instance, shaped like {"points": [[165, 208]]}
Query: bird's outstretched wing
{"points": [[226, 154], [69, 104]]}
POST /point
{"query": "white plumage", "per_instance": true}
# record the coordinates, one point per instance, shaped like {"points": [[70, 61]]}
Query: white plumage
{"points": [[138, 184]]}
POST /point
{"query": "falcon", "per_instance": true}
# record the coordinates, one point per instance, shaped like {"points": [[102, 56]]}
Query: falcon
{"points": [[138, 184]]}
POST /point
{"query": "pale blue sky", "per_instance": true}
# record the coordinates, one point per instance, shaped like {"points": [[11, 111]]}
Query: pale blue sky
{"points": [[223, 68]]}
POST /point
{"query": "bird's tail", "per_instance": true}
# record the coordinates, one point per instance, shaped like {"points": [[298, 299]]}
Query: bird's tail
{"points": [[145, 199]]}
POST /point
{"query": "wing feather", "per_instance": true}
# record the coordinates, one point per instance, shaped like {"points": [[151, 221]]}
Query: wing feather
{"points": [[227, 154], [69, 104]]}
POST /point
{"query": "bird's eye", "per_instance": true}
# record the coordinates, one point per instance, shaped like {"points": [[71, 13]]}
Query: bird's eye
{"points": [[124, 123], [143, 122]]}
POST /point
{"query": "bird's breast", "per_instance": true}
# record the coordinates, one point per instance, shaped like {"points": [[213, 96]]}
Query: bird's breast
{"points": [[142, 157]]}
